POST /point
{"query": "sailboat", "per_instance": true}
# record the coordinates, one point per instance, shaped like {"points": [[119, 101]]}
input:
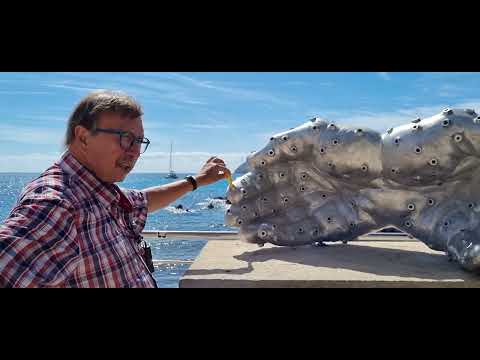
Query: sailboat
{"points": [[171, 174]]}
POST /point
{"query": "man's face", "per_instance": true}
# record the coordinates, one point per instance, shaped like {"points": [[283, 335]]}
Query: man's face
{"points": [[105, 156]]}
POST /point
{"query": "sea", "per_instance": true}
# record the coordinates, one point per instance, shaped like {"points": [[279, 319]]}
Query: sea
{"points": [[199, 217]]}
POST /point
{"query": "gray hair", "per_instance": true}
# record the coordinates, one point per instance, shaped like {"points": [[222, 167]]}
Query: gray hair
{"points": [[89, 109]]}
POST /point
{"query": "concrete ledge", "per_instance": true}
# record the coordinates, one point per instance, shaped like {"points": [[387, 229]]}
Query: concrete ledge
{"points": [[359, 264]]}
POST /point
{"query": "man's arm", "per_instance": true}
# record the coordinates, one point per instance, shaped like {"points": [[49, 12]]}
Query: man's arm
{"points": [[160, 196]]}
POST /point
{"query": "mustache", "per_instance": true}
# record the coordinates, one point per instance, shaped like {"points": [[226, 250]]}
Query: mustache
{"points": [[127, 163]]}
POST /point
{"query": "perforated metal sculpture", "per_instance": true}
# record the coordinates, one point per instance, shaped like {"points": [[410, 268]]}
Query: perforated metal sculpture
{"points": [[322, 183]]}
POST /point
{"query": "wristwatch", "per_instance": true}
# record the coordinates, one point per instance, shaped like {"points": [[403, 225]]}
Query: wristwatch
{"points": [[192, 181]]}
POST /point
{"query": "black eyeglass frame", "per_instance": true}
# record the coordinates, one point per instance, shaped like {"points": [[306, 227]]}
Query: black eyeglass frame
{"points": [[123, 133]]}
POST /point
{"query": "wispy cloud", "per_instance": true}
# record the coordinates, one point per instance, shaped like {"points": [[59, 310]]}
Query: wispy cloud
{"points": [[450, 90], [384, 75], [186, 154], [447, 84], [380, 121], [265, 136], [211, 126], [172, 89], [148, 91], [185, 161], [31, 135], [74, 87], [296, 83], [446, 75], [235, 92], [24, 92], [45, 118], [150, 125], [31, 162]]}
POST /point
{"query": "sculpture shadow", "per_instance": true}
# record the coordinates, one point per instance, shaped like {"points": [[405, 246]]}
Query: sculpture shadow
{"points": [[366, 259]]}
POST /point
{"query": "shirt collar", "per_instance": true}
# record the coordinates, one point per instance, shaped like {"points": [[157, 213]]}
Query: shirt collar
{"points": [[106, 193]]}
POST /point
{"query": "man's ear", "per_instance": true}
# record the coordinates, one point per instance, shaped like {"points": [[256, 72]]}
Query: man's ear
{"points": [[82, 134]]}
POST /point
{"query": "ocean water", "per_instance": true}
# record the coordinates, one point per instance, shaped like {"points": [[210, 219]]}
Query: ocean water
{"points": [[198, 218]]}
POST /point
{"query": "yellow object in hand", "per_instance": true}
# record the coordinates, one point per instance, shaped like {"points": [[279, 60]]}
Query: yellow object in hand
{"points": [[230, 181]]}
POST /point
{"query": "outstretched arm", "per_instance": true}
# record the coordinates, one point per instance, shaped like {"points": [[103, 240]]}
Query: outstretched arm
{"points": [[160, 196]]}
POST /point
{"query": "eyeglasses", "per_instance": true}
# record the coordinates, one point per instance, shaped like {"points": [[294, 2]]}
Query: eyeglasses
{"points": [[127, 139]]}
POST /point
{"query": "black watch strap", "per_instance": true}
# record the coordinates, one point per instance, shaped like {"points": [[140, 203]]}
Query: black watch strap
{"points": [[192, 181]]}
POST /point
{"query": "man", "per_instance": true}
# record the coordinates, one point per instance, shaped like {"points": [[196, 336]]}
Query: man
{"points": [[72, 226]]}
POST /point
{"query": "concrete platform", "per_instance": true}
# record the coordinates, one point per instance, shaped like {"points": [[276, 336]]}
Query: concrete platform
{"points": [[375, 263]]}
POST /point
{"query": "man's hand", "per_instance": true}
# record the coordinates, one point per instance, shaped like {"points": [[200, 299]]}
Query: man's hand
{"points": [[213, 170], [160, 196]]}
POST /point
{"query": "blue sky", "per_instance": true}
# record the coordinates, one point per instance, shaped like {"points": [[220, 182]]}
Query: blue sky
{"points": [[223, 114]]}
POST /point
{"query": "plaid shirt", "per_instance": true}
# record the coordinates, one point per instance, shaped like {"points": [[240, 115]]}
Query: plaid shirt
{"points": [[68, 229]]}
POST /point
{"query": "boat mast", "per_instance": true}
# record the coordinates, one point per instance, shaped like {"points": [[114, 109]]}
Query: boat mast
{"points": [[171, 150]]}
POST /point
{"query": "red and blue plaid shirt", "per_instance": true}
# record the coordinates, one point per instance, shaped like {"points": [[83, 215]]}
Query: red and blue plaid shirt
{"points": [[69, 229]]}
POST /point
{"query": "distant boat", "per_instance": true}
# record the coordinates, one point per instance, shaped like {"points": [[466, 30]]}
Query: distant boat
{"points": [[171, 173]]}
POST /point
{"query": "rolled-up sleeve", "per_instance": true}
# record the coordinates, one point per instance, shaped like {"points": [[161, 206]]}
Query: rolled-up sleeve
{"points": [[139, 201], [38, 244]]}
